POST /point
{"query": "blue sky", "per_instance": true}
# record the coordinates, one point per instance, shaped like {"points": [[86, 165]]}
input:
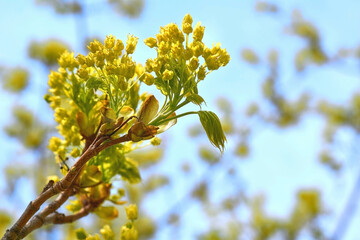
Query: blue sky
{"points": [[282, 160]]}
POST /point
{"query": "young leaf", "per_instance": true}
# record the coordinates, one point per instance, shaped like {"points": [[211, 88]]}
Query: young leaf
{"points": [[213, 129], [148, 109], [166, 125], [129, 171], [196, 99], [95, 83]]}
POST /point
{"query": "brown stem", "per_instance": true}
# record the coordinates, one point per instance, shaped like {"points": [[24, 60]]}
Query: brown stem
{"points": [[122, 124], [64, 185], [59, 218], [39, 219], [112, 142]]}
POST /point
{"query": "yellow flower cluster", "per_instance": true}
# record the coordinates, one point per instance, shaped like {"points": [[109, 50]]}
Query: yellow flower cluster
{"points": [[16, 79], [48, 51], [26, 128], [128, 231], [176, 60], [68, 128], [106, 67]]}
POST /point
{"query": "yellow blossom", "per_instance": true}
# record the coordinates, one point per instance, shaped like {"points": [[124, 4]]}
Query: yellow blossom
{"points": [[81, 59], [186, 24], [16, 80], [167, 74], [206, 53], [157, 65], [197, 48], [198, 32], [90, 60], [148, 65], [83, 72], [148, 79], [109, 42], [56, 80], [75, 153], [54, 143], [155, 141], [129, 233], [131, 44], [131, 212], [139, 70], [212, 63], [107, 232], [188, 53], [151, 42], [193, 63], [95, 46], [119, 46], [67, 61], [201, 73]]}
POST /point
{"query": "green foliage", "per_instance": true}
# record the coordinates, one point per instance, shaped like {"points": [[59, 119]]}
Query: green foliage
{"points": [[112, 161], [212, 126], [196, 99]]}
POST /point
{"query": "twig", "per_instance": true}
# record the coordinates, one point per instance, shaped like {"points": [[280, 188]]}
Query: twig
{"points": [[59, 218], [38, 220], [65, 186]]}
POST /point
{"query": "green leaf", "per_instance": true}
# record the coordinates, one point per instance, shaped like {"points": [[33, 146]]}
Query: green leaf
{"points": [[133, 98], [196, 99], [213, 129], [162, 86], [112, 161], [76, 90], [129, 171], [95, 83], [92, 175], [190, 85]]}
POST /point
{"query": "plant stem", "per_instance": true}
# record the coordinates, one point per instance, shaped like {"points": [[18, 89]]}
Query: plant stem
{"points": [[23, 227], [175, 117]]}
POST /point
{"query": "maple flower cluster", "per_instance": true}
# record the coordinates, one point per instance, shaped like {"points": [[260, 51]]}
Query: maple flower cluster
{"points": [[102, 88], [72, 90], [178, 59], [96, 102]]}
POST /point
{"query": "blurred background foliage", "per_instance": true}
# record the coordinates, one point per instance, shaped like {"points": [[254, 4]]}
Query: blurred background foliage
{"points": [[207, 198]]}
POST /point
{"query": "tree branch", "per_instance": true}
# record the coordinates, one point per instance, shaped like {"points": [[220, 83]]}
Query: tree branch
{"points": [[59, 218], [23, 227], [112, 142], [39, 219]]}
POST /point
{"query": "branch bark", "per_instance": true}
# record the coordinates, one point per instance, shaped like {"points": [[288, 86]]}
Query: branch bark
{"points": [[23, 227], [59, 218]]}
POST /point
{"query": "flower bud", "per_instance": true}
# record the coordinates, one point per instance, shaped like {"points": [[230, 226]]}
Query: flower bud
{"points": [[131, 212], [198, 32], [186, 24], [151, 42]]}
